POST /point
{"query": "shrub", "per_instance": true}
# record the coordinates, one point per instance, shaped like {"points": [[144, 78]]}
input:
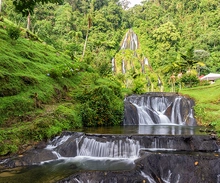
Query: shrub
{"points": [[68, 116], [101, 104], [189, 80], [139, 85], [14, 32], [66, 70]]}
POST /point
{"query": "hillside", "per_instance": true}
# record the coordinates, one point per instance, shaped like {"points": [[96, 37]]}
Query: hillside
{"points": [[58, 75], [44, 92], [207, 99]]}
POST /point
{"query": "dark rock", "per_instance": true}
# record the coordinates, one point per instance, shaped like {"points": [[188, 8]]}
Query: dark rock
{"points": [[159, 167]]}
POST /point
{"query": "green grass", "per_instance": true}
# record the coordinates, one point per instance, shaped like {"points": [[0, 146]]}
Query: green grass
{"points": [[24, 69], [38, 89], [30, 68], [207, 107]]}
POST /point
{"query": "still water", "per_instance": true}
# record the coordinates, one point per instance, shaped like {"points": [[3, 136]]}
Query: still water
{"points": [[148, 130], [53, 171]]}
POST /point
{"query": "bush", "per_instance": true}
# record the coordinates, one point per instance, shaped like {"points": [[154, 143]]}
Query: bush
{"points": [[101, 104], [189, 80], [68, 116], [66, 70], [1, 18], [139, 85], [14, 32]]}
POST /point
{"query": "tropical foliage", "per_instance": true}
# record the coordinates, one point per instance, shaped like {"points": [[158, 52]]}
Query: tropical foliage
{"points": [[56, 60]]}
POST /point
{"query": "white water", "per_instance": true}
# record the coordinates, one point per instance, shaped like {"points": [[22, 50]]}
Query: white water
{"points": [[113, 64], [152, 110], [57, 141], [144, 117], [176, 114], [130, 41], [165, 179], [123, 67], [113, 149], [218, 178], [146, 62]]}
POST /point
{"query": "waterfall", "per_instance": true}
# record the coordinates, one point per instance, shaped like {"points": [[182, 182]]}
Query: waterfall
{"points": [[166, 179], [176, 112], [158, 108], [146, 62], [218, 178], [57, 141], [127, 148], [130, 41], [113, 64], [123, 67]]}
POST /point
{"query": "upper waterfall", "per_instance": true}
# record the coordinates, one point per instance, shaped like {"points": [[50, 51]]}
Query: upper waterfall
{"points": [[158, 108], [130, 41]]}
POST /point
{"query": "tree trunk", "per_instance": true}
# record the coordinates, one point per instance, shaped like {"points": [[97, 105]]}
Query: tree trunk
{"points": [[84, 48], [87, 34], [28, 21]]}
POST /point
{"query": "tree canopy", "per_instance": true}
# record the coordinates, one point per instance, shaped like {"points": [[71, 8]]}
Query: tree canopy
{"points": [[27, 6]]}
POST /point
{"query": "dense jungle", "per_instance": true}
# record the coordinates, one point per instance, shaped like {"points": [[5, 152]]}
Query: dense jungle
{"points": [[61, 62]]}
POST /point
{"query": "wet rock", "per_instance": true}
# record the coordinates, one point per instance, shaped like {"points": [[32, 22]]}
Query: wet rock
{"points": [[130, 114], [70, 143], [159, 167]]}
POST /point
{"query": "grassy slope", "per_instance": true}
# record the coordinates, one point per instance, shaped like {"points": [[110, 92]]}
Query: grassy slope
{"points": [[207, 107], [24, 68]]}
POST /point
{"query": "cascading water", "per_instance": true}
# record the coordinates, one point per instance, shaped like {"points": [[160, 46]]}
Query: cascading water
{"points": [[127, 148], [130, 41], [113, 64], [158, 108]]}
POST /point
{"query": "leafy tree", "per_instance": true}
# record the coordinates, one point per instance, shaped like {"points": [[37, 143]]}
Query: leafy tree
{"points": [[166, 36], [26, 7]]}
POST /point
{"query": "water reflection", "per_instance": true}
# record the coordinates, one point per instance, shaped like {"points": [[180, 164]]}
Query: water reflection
{"points": [[55, 170], [147, 130], [167, 130], [47, 173]]}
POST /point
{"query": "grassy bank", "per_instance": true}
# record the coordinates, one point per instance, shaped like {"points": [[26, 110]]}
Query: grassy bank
{"points": [[43, 92], [34, 77], [207, 107]]}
